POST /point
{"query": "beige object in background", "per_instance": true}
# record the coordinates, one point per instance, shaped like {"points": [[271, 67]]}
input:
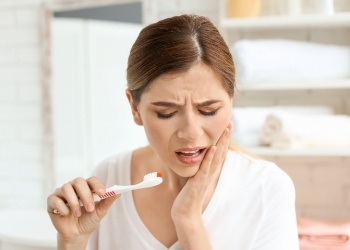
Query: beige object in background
{"points": [[243, 8]]}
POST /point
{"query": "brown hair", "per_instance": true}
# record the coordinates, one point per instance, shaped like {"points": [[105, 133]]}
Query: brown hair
{"points": [[174, 45]]}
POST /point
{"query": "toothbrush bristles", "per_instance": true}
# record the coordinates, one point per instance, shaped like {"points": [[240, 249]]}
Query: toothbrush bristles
{"points": [[152, 175]]}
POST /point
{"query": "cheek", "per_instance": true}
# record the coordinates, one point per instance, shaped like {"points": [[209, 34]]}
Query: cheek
{"points": [[220, 124], [156, 133]]}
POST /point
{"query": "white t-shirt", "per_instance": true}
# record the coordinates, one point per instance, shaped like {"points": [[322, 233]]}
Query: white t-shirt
{"points": [[253, 207]]}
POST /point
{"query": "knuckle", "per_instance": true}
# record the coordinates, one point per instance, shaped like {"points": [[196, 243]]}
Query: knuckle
{"points": [[50, 198], [78, 181], [67, 187], [92, 178], [95, 183], [58, 203]]}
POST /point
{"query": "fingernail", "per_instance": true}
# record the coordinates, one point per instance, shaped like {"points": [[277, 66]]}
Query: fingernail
{"points": [[100, 191], [90, 207], [77, 213]]}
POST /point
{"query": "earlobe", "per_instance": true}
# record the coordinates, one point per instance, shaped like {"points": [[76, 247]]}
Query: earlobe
{"points": [[134, 109]]}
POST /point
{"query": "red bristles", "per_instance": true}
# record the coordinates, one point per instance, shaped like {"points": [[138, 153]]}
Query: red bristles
{"points": [[108, 194]]}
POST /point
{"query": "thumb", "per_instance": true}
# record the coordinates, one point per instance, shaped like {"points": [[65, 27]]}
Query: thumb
{"points": [[103, 206]]}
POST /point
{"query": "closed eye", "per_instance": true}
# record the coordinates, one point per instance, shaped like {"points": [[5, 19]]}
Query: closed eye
{"points": [[169, 115], [210, 113], [165, 115]]}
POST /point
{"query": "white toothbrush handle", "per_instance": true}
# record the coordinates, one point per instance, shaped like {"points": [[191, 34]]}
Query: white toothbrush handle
{"points": [[115, 189], [145, 184], [121, 189]]}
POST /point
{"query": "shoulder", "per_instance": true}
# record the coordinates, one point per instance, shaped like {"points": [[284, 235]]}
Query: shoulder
{"points": [[259, 172], [268, 193]]}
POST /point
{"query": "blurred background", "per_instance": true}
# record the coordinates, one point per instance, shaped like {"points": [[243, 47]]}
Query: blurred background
{"points": [[63, 107]]}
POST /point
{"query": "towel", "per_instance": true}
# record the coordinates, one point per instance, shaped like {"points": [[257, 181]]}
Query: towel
{"points": [[288, 60], [322, 235], [248, 121], [291, 130]]}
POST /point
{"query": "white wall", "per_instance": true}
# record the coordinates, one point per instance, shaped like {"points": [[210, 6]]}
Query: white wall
{"points": [[21, 148], [91, 114]]}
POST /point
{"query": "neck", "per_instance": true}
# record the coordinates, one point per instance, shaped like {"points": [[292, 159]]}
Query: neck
{"points": [[171, 181]]}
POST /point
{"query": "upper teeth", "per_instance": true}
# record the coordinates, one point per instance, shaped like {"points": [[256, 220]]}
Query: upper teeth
{"points": [[190, 152]]}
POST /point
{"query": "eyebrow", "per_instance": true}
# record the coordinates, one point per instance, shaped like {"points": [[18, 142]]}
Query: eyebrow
{"points": [[174, 105]]}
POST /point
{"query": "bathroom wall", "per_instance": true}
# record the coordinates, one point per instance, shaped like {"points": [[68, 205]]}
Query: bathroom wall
{"points": [[322, 183], [21, 138]]}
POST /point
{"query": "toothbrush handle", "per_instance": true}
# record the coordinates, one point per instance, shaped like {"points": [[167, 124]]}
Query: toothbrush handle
{"points": [[111, 192], [116, 189]]}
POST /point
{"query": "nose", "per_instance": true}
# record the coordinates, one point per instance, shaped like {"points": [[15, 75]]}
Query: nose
{"points": [[190, 128]]}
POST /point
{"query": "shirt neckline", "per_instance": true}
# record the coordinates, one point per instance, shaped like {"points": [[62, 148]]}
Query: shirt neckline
{"points": [[140, 228]]}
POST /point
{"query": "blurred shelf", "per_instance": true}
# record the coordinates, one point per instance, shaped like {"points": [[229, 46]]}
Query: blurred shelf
{"points": [[302, 21], [254, 27], [343, 83], [267, 151]]}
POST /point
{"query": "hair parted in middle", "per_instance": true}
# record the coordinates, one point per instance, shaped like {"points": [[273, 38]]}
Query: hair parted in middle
{"points": [[175, 44]]}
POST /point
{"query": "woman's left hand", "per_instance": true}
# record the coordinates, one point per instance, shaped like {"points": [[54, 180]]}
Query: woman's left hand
{"points": [[195, 195]]}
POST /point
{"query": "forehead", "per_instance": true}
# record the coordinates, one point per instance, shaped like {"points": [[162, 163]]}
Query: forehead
{"points": [[199, 81]]}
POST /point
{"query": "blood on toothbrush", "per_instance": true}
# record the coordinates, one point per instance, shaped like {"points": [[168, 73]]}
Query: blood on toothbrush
{"points": [[106, 195], [159, 174]]}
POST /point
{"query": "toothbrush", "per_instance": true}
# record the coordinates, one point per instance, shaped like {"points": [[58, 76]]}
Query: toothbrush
{"points": [[149, 180]]}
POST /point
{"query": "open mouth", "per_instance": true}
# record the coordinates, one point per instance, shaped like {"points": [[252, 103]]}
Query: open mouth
{"points": [[190, 153]]}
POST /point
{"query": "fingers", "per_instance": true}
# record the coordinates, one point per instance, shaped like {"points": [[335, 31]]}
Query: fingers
{"points": [[70, 195], [68, 198], [215, 155], [207, 161], [221, 152], [57, 205], [223, 144]]}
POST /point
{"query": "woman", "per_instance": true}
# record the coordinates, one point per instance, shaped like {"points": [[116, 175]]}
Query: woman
{"points": [[180, 88]]}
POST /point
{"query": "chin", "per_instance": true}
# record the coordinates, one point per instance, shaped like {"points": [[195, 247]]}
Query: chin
{"points": [[187, 171]]}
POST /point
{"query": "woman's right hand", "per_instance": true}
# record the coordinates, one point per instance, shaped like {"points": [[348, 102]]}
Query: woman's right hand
{"points": [[73, 222]]}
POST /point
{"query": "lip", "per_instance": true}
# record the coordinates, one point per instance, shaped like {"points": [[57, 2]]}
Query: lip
{"points": [[191, 159]]}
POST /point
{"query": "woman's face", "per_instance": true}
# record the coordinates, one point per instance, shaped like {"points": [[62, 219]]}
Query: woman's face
{"points": [[184, 114]]}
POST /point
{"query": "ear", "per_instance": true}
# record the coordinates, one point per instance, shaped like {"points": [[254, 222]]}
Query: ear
{"points": [[134, 109]]}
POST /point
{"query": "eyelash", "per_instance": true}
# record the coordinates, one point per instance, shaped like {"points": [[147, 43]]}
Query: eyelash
{"points": [[167, 116], [211, 113]]}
